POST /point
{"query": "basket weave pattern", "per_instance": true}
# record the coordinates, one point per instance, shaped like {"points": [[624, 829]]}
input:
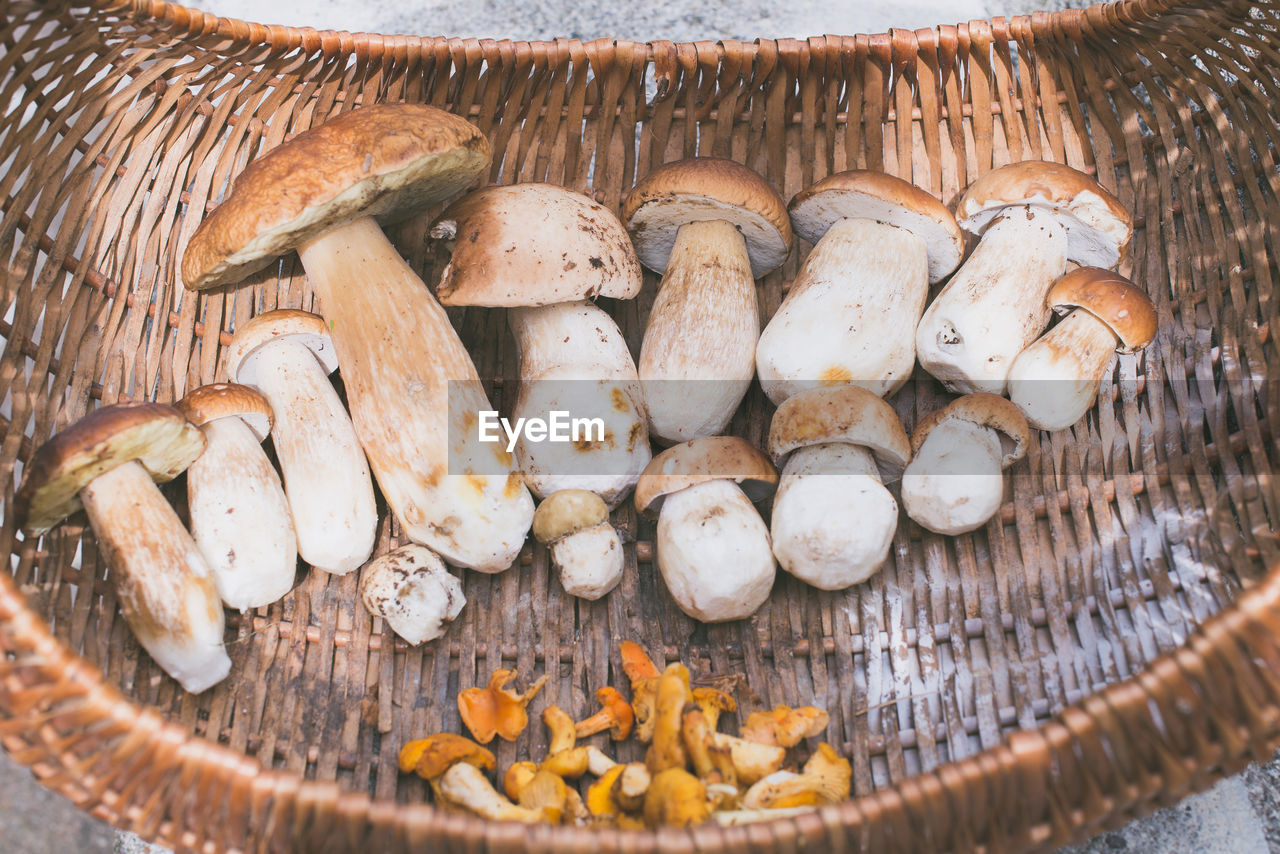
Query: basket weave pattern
{"points": [[1086, 657]]}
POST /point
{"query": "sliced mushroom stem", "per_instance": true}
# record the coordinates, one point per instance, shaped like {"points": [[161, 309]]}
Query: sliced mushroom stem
{"points": [[699, 349], [326, 476], [1055, 380], [994, 306], [849, 313], [240, 516], [164, 585], [955, 483], [406, 375]]}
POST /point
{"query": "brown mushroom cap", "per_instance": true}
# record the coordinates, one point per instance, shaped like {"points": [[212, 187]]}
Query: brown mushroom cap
{"points": [[701, 461], [388, 161], [152, 434], [985, 410], [846, 414], [568, 511], [224, 400], [534, 244], [707, 188], [303, 327], [1113, 300], [1098, 226], [863, 194]]}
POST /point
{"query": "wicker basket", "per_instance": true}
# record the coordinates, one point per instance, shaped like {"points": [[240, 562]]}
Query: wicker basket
{"points": [[1085, 658]]}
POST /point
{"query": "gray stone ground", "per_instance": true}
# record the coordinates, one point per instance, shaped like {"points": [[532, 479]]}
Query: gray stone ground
{"points": [[1241, 815]]}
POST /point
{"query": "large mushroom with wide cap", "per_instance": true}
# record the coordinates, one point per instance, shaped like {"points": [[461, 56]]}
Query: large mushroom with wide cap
{"points": [[833, 520], [1033, 217], [412, 388], [711, 227], [545, 253], [239, 512], [109, 462], [850, 316], [1055, 380], [955, 480], [713, 548], [287, 355]]}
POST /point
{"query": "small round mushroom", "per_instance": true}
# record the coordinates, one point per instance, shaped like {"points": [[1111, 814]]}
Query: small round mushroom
{"points": [[849, 316], [111, 460], [287, 355], [1055, 380], [713, 547], [1033, 216], [412, 590], [955, 480], [711, 227], [586, 549], [239, 513], [833, 520]]}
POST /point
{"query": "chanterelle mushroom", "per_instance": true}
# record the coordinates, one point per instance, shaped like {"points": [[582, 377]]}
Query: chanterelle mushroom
{"points": [[850, 314], [713, 547], [1055, 380], [1033, 217], [545, 252], [584, 546], [955, 480], [711, 227], [239, 513], [412, 387], [412, 590], [108, 460], [287, 355], [833, 520]]}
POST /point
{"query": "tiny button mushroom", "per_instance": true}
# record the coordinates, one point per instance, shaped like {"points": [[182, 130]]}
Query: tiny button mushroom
{"points": [[1033, 216], [955, 481], [495, 710], [833, 520], [1055, 380], [585, 548], [239, 513], [710, 227], [852, 310], [713, 548], [110, 460], [412, 590]]}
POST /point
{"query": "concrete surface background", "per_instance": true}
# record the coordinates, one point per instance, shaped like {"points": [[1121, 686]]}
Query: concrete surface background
{"points": [[1240, 815]]}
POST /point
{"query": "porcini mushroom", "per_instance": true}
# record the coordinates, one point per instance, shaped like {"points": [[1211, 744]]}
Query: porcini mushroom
{"points": [[110, 461], [955, 480], [713, 547], [585, 548], [879, 242], [1055, 380], [545, 252], [413, 390], [287, 355], [711, 227], [412, 590], [833, 520], [240, 516], [495, 709], [1033, 216]]}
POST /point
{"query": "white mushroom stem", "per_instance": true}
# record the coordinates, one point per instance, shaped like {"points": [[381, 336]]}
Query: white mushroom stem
{"points": [[573, 359], [466, 786], [240, 517], [994, 306], [833, 520], [164, 586], [407, 374], [325, 473], [1055, 380], [955, 482], [850, 313], [732, 818], [714, 552], [598, 762], [699, 348], [590, 561]]}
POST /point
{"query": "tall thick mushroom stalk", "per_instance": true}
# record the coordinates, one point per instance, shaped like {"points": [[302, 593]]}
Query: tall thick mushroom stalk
{"points": [[413, 391], [1033, 216], [852, 310]]}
